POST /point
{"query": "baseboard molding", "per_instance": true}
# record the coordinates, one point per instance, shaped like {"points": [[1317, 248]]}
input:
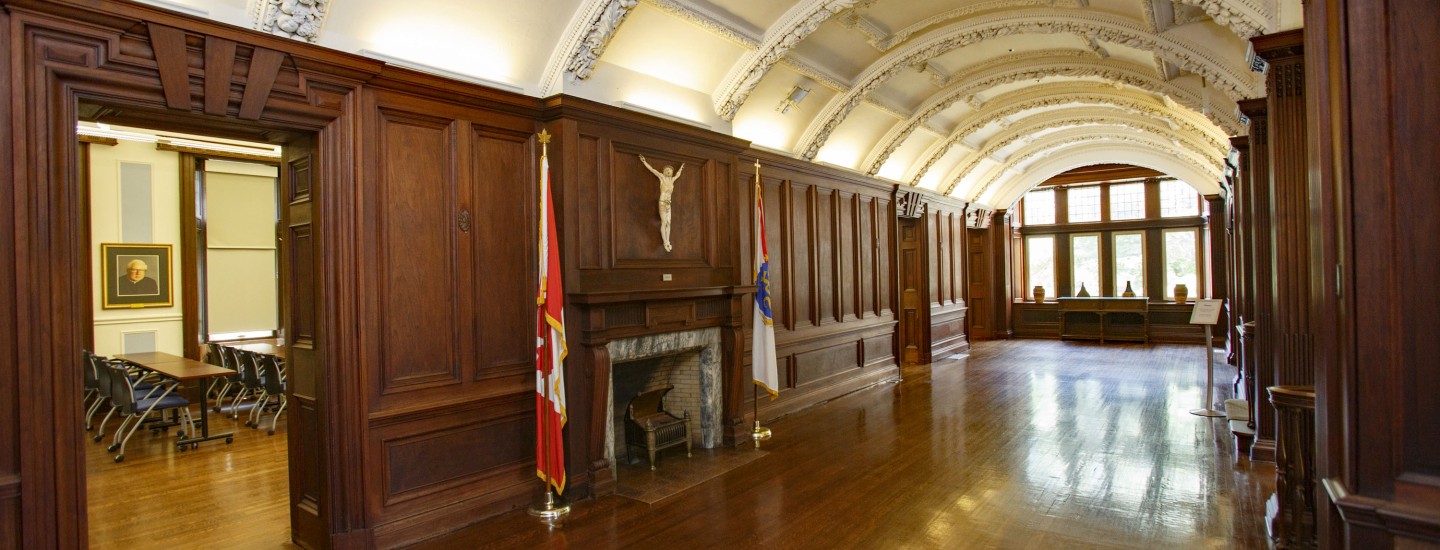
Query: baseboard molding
{"points": [[789, 404], [1263, 450]]}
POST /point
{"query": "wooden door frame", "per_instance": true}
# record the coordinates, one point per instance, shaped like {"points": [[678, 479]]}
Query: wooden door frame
{"points": [[69, 54], [923, 320]]}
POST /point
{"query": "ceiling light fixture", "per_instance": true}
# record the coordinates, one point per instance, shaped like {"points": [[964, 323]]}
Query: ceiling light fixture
{"points": [[792, 99]]}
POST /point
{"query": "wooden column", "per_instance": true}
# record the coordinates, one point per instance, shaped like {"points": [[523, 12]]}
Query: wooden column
{"points": [[1374, 116], [1240, 274], [1257, 280], [1294, 342], [1001, 292]]}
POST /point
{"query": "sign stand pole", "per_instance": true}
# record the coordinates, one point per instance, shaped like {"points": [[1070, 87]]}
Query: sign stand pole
{"points": [[1206, 313]]}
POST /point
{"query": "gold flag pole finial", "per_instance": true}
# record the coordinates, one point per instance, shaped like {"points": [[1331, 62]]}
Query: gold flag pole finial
{"points": [[544, 137]]}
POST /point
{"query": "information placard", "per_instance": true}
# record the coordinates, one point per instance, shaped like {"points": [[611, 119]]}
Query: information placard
{"points": [[1206, 312]]}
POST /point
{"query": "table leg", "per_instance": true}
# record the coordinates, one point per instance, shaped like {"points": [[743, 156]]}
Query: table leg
{"points": [[194, 442]]}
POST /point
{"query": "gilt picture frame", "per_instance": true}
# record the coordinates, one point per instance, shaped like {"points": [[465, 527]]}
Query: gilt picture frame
{"points": [[136, 275]]}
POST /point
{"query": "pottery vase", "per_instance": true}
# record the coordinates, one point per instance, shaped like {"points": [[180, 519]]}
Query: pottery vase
{"points": [[1083, 293], [1039, 293], [1129, 292], [1181, 294]]}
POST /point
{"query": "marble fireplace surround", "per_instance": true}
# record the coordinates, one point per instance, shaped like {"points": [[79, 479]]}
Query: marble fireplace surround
{"points": [[708, 342]]}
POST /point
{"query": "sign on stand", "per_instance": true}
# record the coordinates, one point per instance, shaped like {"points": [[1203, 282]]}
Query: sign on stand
{"points": [[1207, 312]]}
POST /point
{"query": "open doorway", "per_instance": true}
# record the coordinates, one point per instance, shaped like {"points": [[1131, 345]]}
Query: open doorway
{"points": [[186, 269]]}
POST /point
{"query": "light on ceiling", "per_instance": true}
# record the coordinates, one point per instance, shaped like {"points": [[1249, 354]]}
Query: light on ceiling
{"points": [[792, 99]]}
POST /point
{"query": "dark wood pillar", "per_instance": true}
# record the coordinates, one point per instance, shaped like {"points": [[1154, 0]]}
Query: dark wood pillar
{"points": [[1290, 256], [1219, 262], [1374, 115], [1000, 266], [1260, 364]]}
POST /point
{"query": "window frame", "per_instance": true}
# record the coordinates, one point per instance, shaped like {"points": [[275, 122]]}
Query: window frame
{"points": [[1054, 260], [1115, 264], [1169, 287], [1099, 289]]}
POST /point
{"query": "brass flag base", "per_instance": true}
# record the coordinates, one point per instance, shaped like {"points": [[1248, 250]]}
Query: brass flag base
{"points": [[760, 433], [549, 510]]}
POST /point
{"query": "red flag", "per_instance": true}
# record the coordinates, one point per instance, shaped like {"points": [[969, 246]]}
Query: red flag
{"points": [[550, 348]]}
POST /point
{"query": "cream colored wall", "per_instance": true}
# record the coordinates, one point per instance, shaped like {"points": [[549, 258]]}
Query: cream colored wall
{"points": [[242, 289], [112, 324]]}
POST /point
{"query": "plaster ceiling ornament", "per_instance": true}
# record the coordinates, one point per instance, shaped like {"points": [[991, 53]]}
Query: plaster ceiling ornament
{"points": [[601, 29], [298, 19], [1236, 83], [900, 36], [1004, 73], [730, 30], [1056, 143], [802, 19], [1064, 119], [1245, 18], [1131, 106]]}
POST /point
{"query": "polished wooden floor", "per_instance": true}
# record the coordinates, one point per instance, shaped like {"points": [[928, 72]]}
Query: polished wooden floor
{"points": [[217, 496], [1023, 444]]}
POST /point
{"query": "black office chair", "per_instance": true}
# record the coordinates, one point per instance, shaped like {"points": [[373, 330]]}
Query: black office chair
{"points": [[273, 381], [137, 406]]}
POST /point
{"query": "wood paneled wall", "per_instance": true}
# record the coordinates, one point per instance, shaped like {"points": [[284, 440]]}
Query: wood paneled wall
{"points": [[1373, 195], [945, 223], [831, 239]]}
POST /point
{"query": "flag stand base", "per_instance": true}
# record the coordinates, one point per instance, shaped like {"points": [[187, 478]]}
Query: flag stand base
{"points": [[760, 433], [550, 510]]}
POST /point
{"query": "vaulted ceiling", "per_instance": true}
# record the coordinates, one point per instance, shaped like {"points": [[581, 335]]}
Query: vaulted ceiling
{"points": [[978, 99]]}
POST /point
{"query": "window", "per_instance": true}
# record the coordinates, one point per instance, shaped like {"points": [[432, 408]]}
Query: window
{"points": [[1040, 263], [1178, 199], [1127, 201], [1040, 207], [1130, 263], [1180, 264], [1084, 204], [1085, 264]]}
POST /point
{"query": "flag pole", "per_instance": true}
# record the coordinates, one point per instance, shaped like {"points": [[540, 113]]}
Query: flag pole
{"points": [[549, 509], [759, 433]]}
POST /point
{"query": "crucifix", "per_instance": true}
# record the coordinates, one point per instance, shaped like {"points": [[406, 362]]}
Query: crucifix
{"points": [[667, 187]]}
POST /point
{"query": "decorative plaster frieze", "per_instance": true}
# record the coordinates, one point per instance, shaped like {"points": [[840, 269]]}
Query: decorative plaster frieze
{"points": [[1245, 18], [1058, 56], [797, 24], [1235, 83], [1217, 147], [900, 36], [298, 19], [720, 26], [1068, 118], [988, 76], [1053, 144], [600, 30], [823, 77], [855, 21]]}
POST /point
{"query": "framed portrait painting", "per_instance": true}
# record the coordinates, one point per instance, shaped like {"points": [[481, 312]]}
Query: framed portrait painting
{"points": [[136, 275]]}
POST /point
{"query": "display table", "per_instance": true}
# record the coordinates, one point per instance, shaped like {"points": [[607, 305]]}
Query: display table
{"points": [[1105, 318]]}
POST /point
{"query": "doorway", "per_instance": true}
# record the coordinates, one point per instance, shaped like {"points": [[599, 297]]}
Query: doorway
{"points": [[197, 218]]}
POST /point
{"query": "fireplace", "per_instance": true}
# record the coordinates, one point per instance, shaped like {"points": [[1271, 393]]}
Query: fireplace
{"points": [[688, 360]]}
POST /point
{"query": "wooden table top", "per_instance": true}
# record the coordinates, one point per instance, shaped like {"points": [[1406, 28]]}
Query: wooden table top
{"points": [[174, 366], [267, 348]]}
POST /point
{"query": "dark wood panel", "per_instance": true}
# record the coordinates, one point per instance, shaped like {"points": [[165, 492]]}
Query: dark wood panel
{"points": [[824, 241], [501, 168], [801, 258], [634, 195], [879, 350], [419, 201], [845, 263], [431, 457], [219, 70], [814, 367], [777, 241]]}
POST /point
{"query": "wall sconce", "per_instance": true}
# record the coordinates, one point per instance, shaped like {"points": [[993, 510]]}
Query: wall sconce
{"points": [[793, 99]]}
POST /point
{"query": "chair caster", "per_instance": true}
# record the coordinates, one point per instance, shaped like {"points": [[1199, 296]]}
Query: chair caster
{"points": [[229, 440], [272, 432], [179, 435], [97, 438], [112, 448], [119, 458], [181, 448]]}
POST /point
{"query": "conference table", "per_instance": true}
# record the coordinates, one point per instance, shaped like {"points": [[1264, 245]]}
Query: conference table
{"points": [[268, 348], [184, 370]]}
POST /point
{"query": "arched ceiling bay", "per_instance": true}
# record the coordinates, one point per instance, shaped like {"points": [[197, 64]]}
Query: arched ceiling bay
{"points": [[979, 99]]}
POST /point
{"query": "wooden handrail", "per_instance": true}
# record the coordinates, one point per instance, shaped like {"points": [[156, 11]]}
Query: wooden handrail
{"points": [[1292, 522]]}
